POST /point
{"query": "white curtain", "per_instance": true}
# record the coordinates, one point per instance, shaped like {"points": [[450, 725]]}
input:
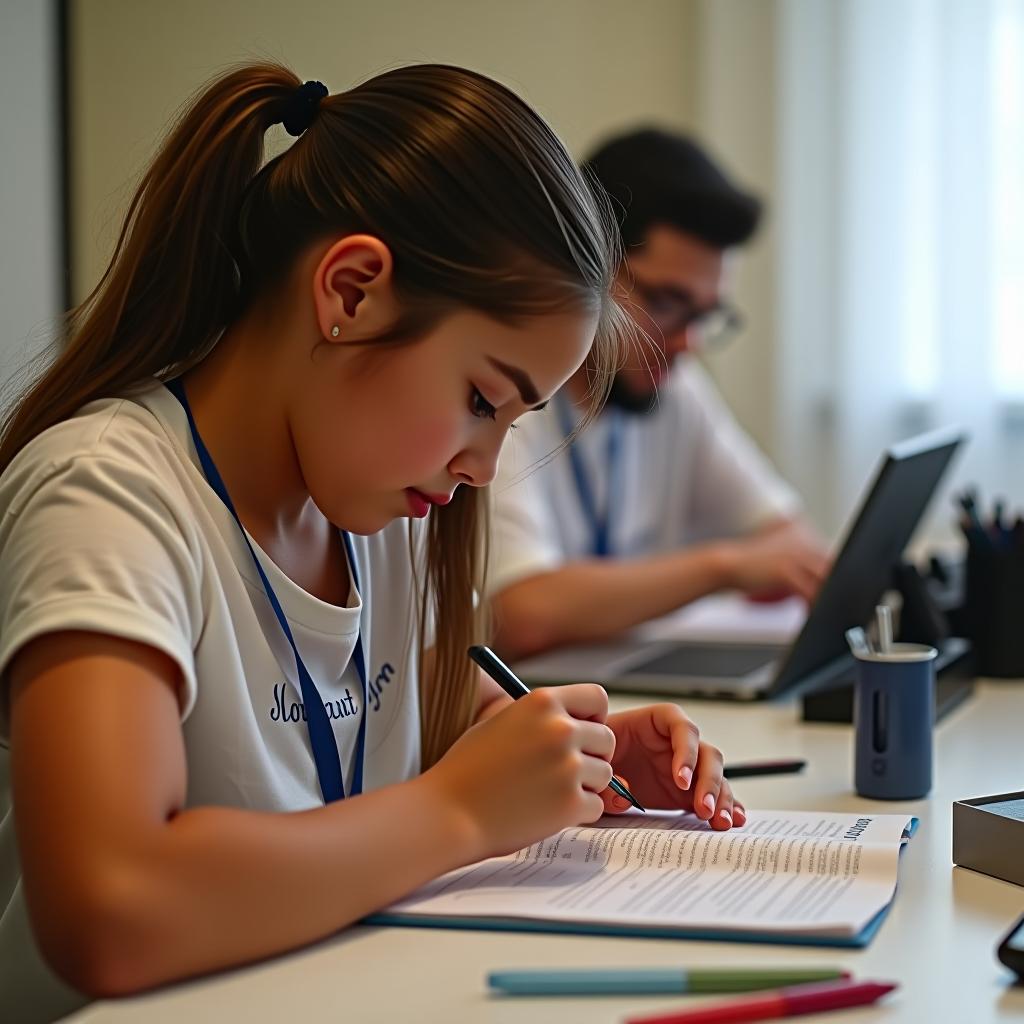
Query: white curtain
{"points": [[899, 228]]}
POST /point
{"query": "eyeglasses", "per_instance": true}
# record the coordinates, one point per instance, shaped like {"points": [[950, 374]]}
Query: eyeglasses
{"points": [[672, 310]]}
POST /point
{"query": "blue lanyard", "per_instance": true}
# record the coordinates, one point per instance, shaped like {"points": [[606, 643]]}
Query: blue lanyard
{"points": [[321, 735], [599, 522]]}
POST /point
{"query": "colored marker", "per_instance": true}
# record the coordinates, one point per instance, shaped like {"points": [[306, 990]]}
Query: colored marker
{"points": [[652, 980], [785, 1002]]}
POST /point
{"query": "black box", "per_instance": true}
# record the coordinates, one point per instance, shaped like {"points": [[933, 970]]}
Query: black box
{"points": [[988, 835]]}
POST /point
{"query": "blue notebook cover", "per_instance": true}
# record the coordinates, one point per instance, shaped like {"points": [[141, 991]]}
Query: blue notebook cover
{"points": [[514, 924]]}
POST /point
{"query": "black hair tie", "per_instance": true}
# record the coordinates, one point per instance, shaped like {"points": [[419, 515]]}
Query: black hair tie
{"points": [[300, 108]]}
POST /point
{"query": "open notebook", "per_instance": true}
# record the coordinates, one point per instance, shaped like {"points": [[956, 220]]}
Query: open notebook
{"points": [[801, 877]]}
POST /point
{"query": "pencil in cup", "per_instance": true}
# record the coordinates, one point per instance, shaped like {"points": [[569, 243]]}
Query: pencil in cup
{"points": [[516, 688]]}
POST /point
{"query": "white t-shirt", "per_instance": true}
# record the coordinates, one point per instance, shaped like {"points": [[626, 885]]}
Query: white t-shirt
{"points": [[685, 472], [109, 525]]}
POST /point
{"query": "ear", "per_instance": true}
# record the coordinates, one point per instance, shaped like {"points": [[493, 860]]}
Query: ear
{"points": [[352, 288]]}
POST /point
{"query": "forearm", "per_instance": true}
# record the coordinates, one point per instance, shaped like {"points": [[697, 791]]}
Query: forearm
{"points": [[217, 887], [594, 599]]}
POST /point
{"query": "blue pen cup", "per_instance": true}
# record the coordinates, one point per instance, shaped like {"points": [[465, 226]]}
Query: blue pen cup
{"points": [[894, 715]]}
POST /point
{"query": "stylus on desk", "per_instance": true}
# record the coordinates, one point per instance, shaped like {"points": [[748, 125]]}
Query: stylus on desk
{"points": [[751, 768], [516, 688]]}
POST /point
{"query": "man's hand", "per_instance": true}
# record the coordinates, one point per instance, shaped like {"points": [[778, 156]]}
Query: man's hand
{"points": [[785, 560]]}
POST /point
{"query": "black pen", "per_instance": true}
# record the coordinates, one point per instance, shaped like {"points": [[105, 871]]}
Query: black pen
{"points": [[751, 768], [516, 688]]}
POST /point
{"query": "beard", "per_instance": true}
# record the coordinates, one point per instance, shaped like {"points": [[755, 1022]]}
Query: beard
{"points": [[621, 396]]}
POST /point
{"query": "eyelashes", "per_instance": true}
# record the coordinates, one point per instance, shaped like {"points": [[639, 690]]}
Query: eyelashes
{"points": [[481, 408]]}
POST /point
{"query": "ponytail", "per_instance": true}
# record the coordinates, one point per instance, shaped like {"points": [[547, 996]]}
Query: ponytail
{"points": [[477, 199], [171, 286]]}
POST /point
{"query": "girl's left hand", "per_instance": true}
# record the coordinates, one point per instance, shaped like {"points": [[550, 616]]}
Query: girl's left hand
{"points": [[660, 759]]}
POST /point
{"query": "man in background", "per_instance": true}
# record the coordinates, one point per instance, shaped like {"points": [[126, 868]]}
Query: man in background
{"points": [[663, 499]]}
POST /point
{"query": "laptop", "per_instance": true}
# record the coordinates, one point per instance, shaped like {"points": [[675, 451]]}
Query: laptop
{"points": [[894, 503]]}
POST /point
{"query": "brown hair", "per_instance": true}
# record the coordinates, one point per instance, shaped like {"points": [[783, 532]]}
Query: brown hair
{"points": [[475, 196]]}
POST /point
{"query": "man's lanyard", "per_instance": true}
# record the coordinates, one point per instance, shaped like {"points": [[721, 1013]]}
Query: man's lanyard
{"points": [[321, 735], [599, 522]]}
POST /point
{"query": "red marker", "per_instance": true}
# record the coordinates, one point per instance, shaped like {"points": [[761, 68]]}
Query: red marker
{"points": [[784, 1002]]}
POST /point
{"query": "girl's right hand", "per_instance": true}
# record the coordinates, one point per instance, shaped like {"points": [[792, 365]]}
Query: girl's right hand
{"points": [[532, 769]]}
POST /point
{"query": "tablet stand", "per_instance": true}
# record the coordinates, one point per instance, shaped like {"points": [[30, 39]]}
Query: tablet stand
{"points": [[922, 621]]}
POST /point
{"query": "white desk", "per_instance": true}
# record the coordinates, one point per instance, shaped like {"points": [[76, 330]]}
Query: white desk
{"points": [[938, 939]]}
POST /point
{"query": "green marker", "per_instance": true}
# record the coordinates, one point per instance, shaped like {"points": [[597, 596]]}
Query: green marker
{"points": [[652, 980]]}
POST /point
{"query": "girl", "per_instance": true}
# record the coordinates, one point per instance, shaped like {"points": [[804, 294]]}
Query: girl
{"points": [[215, 629]]}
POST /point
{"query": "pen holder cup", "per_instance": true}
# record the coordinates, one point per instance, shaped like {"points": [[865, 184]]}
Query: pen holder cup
{"points": [[993, 606], [893, 714]]}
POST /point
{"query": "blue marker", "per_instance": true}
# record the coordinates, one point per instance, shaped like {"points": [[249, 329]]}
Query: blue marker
{"points": [[654, 980]]}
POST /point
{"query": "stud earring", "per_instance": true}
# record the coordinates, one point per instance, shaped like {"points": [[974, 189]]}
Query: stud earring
{"points": [[335, 331]]}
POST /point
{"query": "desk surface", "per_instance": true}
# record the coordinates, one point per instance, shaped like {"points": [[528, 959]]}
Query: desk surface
{"points": [[938, 939]]}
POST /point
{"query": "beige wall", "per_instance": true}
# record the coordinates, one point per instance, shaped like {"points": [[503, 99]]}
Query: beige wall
{"points": [[735, 107], [590, 66]]}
